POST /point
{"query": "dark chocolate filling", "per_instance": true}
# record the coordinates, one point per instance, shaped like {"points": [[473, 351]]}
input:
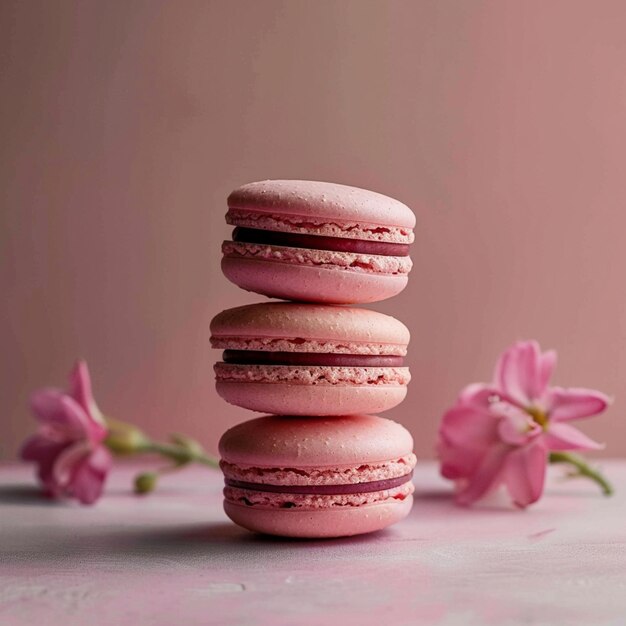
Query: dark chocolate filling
{"points": [[258, 357], [319, 242], [323, 490]]}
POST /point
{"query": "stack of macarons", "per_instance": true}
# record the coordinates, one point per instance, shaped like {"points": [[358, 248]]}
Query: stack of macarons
{"points": [[321, 464]]}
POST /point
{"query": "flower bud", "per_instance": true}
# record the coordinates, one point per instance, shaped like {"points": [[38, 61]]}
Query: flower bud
{"points": [[146, 482], [123, 438], [189, 444]]}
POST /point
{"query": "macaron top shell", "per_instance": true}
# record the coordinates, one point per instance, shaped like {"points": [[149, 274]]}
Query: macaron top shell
{"points": [[328, 328], [301, 442], [314, 203]]}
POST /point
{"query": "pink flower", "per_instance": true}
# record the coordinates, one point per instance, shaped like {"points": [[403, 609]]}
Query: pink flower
{"points": [[502, 433], [68, 446]]}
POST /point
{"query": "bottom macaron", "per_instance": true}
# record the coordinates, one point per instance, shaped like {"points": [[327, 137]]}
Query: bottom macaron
{"points": [[317, 477], [319, 524]]}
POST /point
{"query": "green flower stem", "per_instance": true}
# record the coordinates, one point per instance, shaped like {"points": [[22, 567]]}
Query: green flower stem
{"points": [[126, 439], [582, 469], [178, 454]]}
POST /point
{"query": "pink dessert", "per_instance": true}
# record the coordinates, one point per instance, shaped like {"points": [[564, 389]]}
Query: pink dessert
{"points": [[317, 242], [315, 476], [310, 359]]}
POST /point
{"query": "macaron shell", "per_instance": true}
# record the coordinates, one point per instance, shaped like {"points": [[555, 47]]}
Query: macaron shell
{"points": [[284, 399], [277, 441], [322, 200], [320, 523], [306, 283], [311, 321]]}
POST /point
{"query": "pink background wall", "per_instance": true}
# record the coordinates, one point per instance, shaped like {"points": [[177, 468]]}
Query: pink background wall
{"points": [[124, 125]]}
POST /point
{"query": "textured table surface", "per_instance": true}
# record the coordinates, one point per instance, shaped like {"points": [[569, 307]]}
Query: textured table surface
{"points": [[174, 558]]}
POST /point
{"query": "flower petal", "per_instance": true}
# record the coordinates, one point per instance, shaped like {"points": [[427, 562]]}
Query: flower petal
{"points": [[465, 434], [575, 403], [562, 436], [466, 426], [60, 412], [547, 363], [44, 452], [456, 462], [517, 372], [486, 477], [68, 460], [516, 427], [89, 477], [479, 395], [80, 390], [524, 473], [40, 449]]}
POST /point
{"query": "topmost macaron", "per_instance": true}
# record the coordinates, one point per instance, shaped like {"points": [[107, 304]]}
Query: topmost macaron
{"points": [[317, 242]]}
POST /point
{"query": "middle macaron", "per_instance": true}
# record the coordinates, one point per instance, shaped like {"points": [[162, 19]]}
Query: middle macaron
{"points": [[310, 359]]}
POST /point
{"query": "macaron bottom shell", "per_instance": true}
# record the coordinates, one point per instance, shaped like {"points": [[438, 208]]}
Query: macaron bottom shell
{"points": [[304, 283], [319, 523], [322, 400]]}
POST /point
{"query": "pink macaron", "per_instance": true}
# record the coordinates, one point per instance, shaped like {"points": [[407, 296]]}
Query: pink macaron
{"points": [[317, 242], [316, 476], [310, 359]]}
